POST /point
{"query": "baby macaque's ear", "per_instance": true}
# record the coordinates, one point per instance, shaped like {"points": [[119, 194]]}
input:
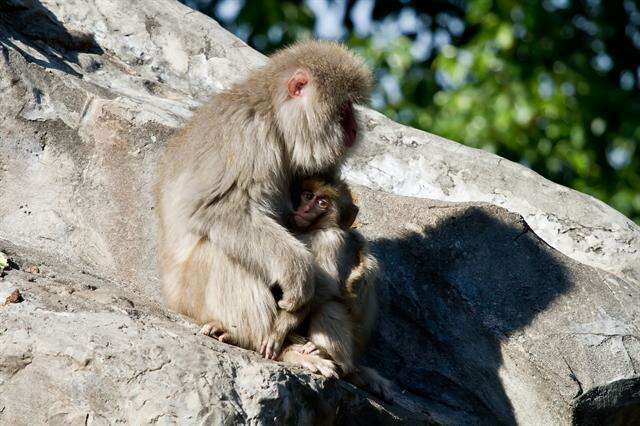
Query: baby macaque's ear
{"points": [[348, 216]]}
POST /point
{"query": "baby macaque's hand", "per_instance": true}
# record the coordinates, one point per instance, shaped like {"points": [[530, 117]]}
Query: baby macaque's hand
{"points": [[214, 329]]}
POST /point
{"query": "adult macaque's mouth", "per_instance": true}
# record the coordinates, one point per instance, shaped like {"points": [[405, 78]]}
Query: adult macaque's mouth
{"points": [[349, 125]]}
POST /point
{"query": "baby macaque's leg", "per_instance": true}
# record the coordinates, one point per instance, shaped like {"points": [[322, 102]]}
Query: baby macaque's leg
{"points": [[284, 323], [330, 329], [294, 354]]}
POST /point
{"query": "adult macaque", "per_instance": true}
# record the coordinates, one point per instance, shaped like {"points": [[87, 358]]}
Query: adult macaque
{"points": [[224, 191], [343, 311]]}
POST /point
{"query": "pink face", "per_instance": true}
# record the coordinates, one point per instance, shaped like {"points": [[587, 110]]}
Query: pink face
{"points": [[296, 87], [312, 206]]}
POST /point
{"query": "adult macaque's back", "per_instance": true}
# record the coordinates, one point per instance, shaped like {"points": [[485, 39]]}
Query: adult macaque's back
{"points": [[223, 190]]}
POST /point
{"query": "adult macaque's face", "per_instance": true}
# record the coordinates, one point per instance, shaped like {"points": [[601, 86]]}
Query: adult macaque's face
{"points": [[349, 124], [312, 206]]}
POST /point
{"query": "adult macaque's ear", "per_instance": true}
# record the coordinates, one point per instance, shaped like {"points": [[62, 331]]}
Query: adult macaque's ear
{"points": [[349, 216], [297, 83]]}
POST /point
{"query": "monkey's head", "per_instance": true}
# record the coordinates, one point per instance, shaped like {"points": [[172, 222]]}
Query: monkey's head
{"points": [[317, 85], [323, 205]]}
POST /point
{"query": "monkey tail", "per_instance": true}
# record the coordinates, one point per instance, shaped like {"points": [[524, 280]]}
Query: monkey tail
{"points": [[369, 379], [366, 264], [356, 275]]}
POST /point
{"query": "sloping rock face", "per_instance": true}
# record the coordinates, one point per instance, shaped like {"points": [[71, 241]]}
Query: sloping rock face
{"points": [[526, 314]]}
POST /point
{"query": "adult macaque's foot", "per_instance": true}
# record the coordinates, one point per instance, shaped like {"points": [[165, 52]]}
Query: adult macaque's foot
{"points": [[270, 347], [215, 330]]}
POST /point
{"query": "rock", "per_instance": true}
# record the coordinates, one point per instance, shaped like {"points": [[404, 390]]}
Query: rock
{"points": [[529, 316], [83, 352], [410, 162], [485, 321]]}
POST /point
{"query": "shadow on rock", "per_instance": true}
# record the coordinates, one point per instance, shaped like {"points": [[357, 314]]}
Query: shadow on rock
{"points": [[449, 296], [28, 22]]}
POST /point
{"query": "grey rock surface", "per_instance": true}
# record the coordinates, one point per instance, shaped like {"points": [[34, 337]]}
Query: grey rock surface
{"points": [[79, 350], [487, 323], [529, 317], [411, 162]]}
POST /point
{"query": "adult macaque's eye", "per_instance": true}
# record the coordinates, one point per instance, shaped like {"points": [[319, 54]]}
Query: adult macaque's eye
{"points": [[323, 204], [307, 196]]}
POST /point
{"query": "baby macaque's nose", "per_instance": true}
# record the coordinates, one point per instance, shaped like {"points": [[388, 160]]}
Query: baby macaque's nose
{"points": [[309, 205]]}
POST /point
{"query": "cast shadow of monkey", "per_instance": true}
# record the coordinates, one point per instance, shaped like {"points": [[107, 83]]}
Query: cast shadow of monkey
{"points": [[447, 296], [30, 23]]}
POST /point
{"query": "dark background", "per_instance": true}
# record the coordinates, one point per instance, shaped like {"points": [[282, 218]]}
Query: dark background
{"points": [[552, 84]]}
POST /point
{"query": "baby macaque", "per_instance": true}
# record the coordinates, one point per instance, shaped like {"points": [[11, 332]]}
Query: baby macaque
{"points": [[343, 310]]}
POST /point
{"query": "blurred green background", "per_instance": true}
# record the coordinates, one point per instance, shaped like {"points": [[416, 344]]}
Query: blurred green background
{"points": [[552, 84]]}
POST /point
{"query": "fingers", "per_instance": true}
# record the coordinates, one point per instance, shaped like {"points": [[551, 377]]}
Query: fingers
{"points": [[215, 331], [287, 305], [329, 373], [206, 329], [275, 350], [310, 349], [269, 351], [318, 365], [309, 365], [327, 368], [270, 348], [277, 347]]}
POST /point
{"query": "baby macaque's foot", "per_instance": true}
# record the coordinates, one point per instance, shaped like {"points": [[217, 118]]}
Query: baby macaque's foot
{"points": [[294, 354], [215, 330], [316, 364]]}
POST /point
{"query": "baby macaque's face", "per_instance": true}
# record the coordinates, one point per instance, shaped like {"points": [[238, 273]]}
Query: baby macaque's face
{"points": [[312, 206]]}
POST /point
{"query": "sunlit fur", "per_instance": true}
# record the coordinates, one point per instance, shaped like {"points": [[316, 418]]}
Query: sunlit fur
{"points": [[223, 190], [310, 124]]}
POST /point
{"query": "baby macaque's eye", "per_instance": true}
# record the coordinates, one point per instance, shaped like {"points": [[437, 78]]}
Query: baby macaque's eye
{"points": [[307, 196], [323, 204]]}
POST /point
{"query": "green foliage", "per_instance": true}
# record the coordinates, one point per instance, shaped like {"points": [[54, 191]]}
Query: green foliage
{"points": [[552, 84]]}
